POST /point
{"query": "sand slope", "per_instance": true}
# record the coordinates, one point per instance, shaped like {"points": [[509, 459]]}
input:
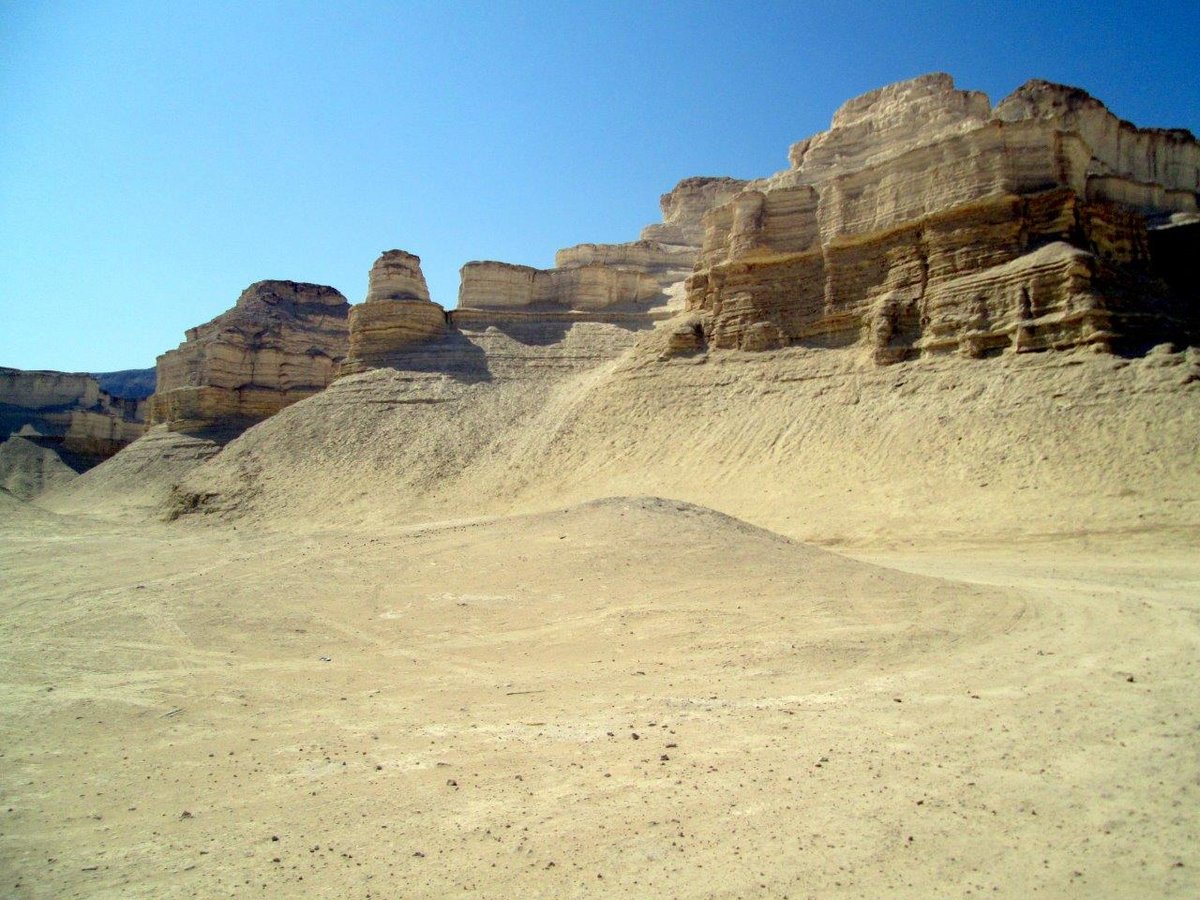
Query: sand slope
{"points": [[135, 483], [814, 444]]}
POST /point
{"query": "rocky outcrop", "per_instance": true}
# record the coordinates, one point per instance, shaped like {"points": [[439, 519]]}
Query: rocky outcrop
{"points": [[666, 251], [922, 222], [497, 285], [1153, 169], [281, 342], [102, 434], [634, 283], [622, 287], [396, 314], [67, 412], [684, 206]]}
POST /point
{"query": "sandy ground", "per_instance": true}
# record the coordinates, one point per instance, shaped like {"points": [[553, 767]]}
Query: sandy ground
{"points": [[632, 697]]}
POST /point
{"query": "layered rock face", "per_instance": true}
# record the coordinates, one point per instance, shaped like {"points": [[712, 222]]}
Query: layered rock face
{"points": [[66, 411], [634, 276], [922, 222], [396, 314], [665, 250], [508, 313], [497, 285], [1155, 170], [281, 342]]}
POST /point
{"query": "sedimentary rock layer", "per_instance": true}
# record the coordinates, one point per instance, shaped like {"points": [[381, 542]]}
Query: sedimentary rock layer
{"points": [[921, 222], [491, 285], [282, 341], [67, 410], [666, 250], [397, 313]]}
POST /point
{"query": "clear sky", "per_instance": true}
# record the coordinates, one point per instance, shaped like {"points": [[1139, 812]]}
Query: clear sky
{"points": [[156, 158]]}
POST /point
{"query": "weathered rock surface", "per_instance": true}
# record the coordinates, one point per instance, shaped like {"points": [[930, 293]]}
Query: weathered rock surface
{"points": [[924, 222], [281, 342], [67, 411], [508, 312], [1154, 169], [497, 285], [102, 433], [667, 250], [396, 314]]}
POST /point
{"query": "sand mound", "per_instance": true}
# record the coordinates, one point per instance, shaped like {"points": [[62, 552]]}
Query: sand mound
{"points": [[814, 444], [27, 469], [137, 481]]}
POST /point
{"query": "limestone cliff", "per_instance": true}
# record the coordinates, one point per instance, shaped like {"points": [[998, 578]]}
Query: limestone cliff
{"points": [[282, 341], [633, 283], [667, 250], [925, 222]]}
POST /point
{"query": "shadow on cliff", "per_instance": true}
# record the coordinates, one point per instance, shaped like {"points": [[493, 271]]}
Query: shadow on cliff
{"points": [[453, 355], [549, 331]]}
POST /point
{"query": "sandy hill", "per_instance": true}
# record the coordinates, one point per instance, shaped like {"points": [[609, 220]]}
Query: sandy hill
{"points": [[818, 445]]}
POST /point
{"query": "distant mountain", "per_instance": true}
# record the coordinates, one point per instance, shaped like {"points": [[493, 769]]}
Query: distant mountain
{"points": [[128, 384]]}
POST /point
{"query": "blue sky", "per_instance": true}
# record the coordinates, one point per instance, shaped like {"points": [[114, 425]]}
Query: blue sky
{"points": [[156, 158]]}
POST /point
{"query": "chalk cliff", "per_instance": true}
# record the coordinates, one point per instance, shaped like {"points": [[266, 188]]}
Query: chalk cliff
{"points": [[282, 341], [925, 222]]}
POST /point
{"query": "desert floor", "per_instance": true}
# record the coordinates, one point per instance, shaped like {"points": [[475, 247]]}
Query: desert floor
{"points": [[632, 696]]}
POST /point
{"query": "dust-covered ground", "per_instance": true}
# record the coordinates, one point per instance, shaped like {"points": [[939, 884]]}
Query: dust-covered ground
{"points": [[425, 636], [633, 697]]}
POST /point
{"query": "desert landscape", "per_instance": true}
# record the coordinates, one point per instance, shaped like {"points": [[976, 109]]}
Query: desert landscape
{"points": [[835, 537]]}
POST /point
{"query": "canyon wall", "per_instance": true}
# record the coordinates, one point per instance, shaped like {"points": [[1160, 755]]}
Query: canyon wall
{"points": [[67, 412], [924, 222]]}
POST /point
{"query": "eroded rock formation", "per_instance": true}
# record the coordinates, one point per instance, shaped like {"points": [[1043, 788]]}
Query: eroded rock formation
{"points": [[623, 287], [67, 413], [925, 222], [396, 314], [281, 342], [630, 278]]}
